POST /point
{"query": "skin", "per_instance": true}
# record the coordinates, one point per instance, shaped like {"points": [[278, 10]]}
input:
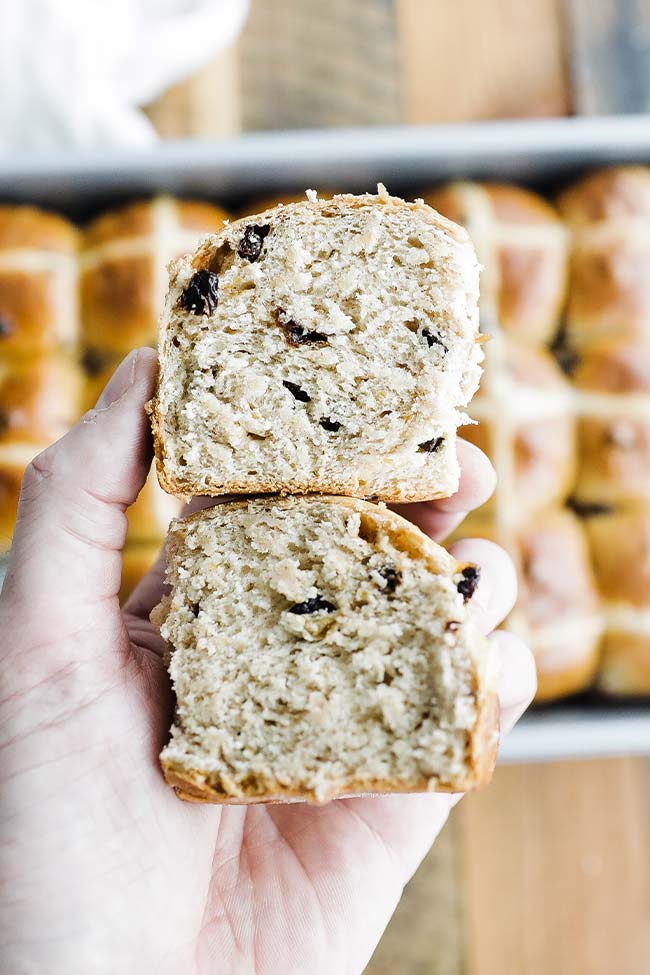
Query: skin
{"points": [[104, 869]]}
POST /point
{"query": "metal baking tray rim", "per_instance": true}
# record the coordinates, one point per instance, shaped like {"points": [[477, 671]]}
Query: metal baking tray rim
{"points": [[354, 158], [545, 152]]}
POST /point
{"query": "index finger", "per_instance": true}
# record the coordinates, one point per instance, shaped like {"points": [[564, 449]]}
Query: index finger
{"points": [[437, 519]]}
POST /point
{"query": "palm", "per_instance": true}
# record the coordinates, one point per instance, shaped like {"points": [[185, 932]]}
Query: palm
{"points": [[104, 870], [275, 888]]}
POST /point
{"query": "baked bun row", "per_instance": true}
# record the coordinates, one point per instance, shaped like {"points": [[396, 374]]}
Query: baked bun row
{"points": [[571, 284], [72, 304], [563, 409]]}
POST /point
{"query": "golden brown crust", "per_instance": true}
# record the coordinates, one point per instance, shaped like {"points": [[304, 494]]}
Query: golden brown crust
{"points": [[625, 664], [609, 212], [557, 612], [541, 440], [195, 786], [137, 559], [191, 785], [515, 205], [11, 476], [40, 399], [521, 242], [118, 302], [573, 677], [30, 228], [614, 441], [614, 193], [149, 517], [620, 547], [124, 253]]}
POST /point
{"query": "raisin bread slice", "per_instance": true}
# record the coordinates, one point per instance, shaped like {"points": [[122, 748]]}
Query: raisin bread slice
{"points": [[326, 346], [321, 647]]}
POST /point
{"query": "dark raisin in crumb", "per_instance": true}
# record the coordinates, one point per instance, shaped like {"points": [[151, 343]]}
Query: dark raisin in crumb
{"points": [[201, 296], [431, 446], [452, 626], [295, 334], [468, 584], [586, 509], [6, 328], [250, 246], [328, 424], [312, 605], [195, 607], [434, 340], [94, 362], [392, 576], [296, 391]]}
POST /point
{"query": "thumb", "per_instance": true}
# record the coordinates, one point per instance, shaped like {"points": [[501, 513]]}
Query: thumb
{"points": [[71, 525]]}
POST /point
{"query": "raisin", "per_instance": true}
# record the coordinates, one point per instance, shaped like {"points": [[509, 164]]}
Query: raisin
{"points": [[296, 391], [195, 607], [250, 246], [392, 576], [328, 424], [312, 605], [451, 626], [431, 446], [201, 295], [586, 509], [434, 340], [566, 357], [296, 334], [94, 361], [467, 586], [6, 328]]}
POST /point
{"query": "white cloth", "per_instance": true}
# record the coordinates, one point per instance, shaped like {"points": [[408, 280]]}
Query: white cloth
{"points": [[73, 72]]}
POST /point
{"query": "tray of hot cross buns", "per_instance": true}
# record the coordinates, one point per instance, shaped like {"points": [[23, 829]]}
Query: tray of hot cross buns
{"points": [[559, 213]]}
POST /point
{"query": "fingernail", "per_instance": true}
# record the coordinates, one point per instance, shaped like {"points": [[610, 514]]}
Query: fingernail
{"points": [[120, 382]]}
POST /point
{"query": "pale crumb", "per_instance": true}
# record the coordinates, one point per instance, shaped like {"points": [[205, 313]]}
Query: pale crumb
{"points": [[312, 195], [364, 684], [383, 193], [331, 359]]}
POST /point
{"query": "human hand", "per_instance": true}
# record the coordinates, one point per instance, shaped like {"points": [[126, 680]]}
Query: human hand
{"points": [[104, 870]]}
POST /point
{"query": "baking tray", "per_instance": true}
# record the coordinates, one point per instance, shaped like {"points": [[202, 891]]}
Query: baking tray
{"points": [[541, 153]]}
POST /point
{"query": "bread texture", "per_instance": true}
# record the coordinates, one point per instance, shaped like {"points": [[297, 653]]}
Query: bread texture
{"points": [[321, 647], [323, 346]]}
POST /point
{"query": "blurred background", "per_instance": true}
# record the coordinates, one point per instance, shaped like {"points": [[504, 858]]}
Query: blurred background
{"points": [[548, 871]]}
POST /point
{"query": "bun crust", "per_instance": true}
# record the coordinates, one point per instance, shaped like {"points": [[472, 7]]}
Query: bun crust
{"points": [[123, 280], [523, 247], [331, 425], [390, 534]]}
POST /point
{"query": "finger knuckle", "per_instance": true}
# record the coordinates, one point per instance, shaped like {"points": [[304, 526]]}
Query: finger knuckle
{"points": [[39, 472]]}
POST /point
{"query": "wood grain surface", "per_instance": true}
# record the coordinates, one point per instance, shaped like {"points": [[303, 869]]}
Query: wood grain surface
{"points": [[556, 869], [478, 59], [547, 872]]}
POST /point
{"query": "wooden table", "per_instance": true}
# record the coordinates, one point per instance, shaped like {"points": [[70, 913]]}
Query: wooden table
{"points": [[548, 871]]}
